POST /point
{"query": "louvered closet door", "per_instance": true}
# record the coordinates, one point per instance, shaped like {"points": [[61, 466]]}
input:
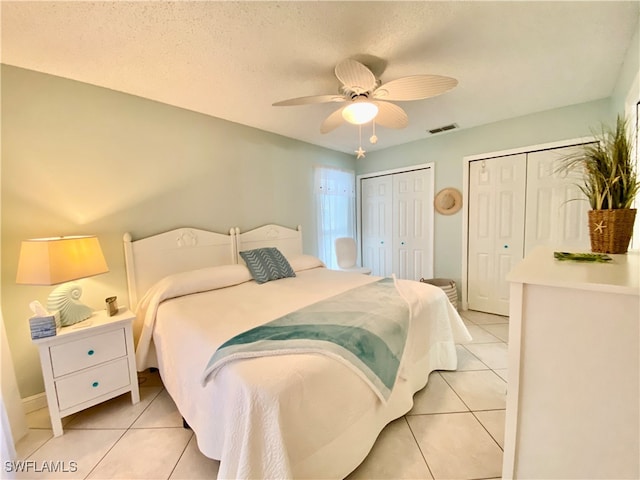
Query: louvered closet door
{"points": [[412, 224], [377, 239], [556, 212], [496, 229]]}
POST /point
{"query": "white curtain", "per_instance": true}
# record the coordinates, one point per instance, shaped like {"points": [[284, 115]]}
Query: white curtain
{"points": [[335, 209]]}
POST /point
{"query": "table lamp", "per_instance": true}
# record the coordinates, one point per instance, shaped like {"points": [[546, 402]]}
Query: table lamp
{"points": [[59, 260]]}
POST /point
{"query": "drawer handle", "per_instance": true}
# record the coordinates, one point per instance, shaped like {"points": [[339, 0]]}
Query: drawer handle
{"points": [[95, 384], [91, 352]]}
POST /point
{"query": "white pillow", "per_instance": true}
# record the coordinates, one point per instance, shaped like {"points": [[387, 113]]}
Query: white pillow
{"points": [[201, 280], [305, 262]]}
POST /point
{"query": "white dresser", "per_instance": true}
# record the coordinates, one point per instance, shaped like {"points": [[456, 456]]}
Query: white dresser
{"points": [[573, 399], [88, 363]]}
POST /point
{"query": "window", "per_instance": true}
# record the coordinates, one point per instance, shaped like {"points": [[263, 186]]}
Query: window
{"points": [[335, 209]]}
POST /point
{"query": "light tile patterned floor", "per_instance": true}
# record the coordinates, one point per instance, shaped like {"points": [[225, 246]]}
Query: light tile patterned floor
{"points": [[455, 429]]}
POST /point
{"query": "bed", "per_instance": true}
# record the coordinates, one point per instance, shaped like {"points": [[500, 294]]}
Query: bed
{"points": [[288, 414]]}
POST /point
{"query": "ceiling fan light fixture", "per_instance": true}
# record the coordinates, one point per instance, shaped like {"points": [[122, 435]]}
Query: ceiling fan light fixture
{"points": [[359, 113]]}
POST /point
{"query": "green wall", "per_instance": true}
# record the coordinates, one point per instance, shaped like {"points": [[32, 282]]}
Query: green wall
{"points": [[628, 84], [79, 159], [447, 151]]}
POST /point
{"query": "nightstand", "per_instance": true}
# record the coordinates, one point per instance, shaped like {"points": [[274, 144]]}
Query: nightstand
{"points": [[88, 363]]}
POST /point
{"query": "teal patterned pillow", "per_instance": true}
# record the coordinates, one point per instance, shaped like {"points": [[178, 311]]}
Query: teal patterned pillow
{"points": [[266, 264]]}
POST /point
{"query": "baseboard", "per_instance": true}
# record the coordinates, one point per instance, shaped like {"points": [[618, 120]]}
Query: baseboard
{"points": [[34, 402]]}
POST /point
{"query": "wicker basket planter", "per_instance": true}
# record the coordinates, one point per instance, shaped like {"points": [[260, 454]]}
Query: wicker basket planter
{"points": [[610, 230], [610, 184], [449, 287]]}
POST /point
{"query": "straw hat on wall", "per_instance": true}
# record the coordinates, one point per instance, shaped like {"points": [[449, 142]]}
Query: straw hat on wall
{"points": [[448, 201]]}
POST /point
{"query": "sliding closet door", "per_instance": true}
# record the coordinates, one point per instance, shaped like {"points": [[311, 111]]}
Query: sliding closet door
{"points": [[506, 223], [496, 229], [397, 223], [377, 224], [412, 224], [556, 213]]}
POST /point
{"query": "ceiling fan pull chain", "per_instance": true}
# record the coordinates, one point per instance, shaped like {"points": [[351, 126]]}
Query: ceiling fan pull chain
{"points": [[374, 138], [360, 152]]}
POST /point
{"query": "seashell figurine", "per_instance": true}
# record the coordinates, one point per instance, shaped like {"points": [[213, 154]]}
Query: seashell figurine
{"points": [[64, 299]]}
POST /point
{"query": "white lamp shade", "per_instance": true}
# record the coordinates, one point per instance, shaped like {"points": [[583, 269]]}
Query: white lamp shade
{"points": [[359, 113], [50, 261]]}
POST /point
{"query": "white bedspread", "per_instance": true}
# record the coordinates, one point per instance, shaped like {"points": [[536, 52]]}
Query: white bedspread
{"points": [[302, 416]]}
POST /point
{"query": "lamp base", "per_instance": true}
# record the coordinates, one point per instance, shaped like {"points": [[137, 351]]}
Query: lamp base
{"points": [[64, 299]]}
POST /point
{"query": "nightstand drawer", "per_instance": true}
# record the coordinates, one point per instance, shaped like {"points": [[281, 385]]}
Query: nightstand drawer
{"points": [[87, 352], [92, 383]]}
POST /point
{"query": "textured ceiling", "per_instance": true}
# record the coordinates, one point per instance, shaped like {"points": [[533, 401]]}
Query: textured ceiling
{"points": [[232, 60]]}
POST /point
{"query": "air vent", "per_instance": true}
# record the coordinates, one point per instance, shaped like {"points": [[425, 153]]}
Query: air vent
{"points": [[443, 129]]}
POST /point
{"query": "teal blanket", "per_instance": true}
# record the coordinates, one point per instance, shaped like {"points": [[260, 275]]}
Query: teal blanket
{"points": [[365, 328]]}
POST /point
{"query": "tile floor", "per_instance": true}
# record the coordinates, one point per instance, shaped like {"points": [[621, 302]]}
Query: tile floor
{"points": [[455, 429]]}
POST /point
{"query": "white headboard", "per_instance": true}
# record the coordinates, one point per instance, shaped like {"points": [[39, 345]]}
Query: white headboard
{"points": [[150, 259], [287, 240]]}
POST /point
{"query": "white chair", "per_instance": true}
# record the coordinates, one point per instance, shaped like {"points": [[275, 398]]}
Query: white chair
{"points": [[347, 255]]}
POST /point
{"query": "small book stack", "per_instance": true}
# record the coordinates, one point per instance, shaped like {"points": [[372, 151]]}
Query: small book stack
{"points": [[43, 326]]}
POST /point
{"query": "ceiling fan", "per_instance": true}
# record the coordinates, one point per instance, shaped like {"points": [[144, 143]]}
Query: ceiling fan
{"points": [[367, 99]]}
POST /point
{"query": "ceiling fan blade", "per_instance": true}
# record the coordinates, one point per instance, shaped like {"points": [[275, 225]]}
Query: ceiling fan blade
{"points": [[391, 116], [415, 87], [310, 100], [355, 76], [332, 122]]}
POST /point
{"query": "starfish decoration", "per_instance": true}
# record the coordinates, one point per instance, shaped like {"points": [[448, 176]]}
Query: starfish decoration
{"points": [[360, 152], [599, 227]]}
